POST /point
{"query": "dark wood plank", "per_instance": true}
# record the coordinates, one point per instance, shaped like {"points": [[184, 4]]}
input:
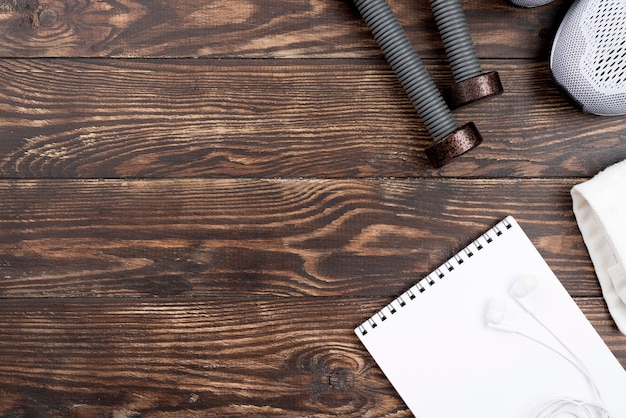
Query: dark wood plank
{"points": [[286, 118], [260, 201], [244, 28], [239, 238], [216, 357]]}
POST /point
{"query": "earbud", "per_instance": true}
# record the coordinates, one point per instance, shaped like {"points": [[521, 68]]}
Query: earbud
{"points": [[496, 310], [522, 288]]}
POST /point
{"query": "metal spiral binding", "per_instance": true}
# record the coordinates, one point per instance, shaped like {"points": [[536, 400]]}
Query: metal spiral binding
{"points": [[437, 274]]}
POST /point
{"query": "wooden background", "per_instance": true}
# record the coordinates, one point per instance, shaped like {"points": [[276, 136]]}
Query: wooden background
{"points": [[199, 200]]}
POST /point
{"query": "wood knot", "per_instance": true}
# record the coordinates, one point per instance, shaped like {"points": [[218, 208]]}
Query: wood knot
{"points": [[47, 17], [30, 11], [341, 379]]}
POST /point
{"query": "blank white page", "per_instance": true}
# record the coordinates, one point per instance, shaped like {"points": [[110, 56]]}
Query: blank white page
{"points": [[436, 349]]}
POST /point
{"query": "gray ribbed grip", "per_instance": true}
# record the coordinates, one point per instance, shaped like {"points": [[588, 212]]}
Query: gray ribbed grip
{"points": [[456, 38], [407, 65]]}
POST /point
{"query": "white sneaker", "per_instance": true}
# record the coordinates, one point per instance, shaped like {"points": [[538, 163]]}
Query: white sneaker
{"points": [[588, 59], [529, 3]]}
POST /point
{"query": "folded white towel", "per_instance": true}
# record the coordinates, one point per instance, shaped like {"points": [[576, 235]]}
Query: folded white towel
{"points": [[600, 210]]}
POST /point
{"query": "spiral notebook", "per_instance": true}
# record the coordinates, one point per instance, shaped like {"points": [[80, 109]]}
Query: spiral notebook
{"points": [[435, 347]]}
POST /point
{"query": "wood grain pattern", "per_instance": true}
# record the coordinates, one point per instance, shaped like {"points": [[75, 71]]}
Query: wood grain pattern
{"points": [[199, 201], [195, 358], [252, 29], [275, 237], [330, 119]]}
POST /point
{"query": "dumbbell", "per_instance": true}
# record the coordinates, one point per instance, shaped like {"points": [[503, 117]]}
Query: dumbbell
{"points": [[471, 84], [449, 140]]}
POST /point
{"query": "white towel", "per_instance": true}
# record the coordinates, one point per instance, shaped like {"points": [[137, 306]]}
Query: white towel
{"points": [[600, 210]]}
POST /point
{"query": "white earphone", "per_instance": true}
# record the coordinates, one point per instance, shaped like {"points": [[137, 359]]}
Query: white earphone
{"points": [[522, 288], [495, 316], [496, 311]]}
